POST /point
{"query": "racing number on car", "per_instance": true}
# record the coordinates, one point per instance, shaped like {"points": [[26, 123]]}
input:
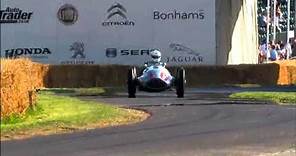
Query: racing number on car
{"points": [[164, 76]]}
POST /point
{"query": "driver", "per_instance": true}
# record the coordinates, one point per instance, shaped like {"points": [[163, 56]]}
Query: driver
{"points": [[155, 59]]}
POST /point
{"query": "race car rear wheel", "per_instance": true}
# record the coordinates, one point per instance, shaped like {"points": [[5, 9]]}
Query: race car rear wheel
{"points": [[132, 82], [180, 82]]}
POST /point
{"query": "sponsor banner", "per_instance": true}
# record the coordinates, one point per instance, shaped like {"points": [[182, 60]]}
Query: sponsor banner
{"points": [[15, 15], [78, 55], [110, 32], [114, 10], [34, 53], [67, 14]]}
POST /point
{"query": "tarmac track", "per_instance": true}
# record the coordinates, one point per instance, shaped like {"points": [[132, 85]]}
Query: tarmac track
{"points": [[203, 123]]}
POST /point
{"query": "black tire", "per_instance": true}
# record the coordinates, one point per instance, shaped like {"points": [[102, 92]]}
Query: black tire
{"points": [[131, 82], [180, 83]]}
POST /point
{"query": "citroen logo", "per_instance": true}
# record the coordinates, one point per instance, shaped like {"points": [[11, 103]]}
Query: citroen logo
{"points": [[116, 9]]}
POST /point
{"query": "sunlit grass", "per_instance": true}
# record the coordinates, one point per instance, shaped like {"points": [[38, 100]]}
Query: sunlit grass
{"points": [[79, 91], [52, 112], [278, 97]]}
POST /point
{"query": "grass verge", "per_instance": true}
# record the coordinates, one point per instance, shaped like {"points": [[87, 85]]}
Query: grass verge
{"points": [[95, 91], [59, 114], [286, 98]]}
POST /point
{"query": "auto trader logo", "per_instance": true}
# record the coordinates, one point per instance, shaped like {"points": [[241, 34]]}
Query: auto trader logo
{"points": [[117, 10], [15, 15]]}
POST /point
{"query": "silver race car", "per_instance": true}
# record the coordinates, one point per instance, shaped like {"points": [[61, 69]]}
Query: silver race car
{"points": [[155, 78]]}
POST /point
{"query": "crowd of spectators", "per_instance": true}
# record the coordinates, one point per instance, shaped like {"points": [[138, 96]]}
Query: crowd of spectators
{"points": [[275, 50], [280, 19]]}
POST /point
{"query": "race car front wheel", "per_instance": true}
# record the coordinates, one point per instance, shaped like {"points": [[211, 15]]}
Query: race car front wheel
{"points": [[180, 82], [131, 82]]}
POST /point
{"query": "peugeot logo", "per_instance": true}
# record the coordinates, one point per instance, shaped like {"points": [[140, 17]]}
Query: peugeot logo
{"points": [[78, 49], [68, 14], [116, 9]]}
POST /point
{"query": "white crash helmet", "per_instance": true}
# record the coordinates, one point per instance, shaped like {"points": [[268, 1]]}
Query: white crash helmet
{"points": [[155, 55]]}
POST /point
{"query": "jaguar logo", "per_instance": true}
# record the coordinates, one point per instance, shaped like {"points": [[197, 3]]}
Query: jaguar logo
{"points": [[192, 56], [182, 48]]}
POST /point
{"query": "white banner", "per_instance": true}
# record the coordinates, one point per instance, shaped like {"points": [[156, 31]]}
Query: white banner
{"points": [[109, 32]]}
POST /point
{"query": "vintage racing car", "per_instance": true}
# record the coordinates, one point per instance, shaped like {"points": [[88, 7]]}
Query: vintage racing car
{"points": [[155, 78]]}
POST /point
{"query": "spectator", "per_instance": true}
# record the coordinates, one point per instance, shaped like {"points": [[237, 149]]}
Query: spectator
{"points": [[281, 17], [273, 54], [288, 49], [278, 45], [294, 48], [278, 16], [262, 52], [282, 52], [262, 20]]}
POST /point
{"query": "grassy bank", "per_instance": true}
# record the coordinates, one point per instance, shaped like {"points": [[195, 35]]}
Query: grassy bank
{"points": [[95, 91], [55, 114], [277, 97]]}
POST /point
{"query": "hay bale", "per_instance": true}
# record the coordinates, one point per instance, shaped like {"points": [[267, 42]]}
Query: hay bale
{"points": [[115, 75], [19, 79], [287, 72], [72, 76]]}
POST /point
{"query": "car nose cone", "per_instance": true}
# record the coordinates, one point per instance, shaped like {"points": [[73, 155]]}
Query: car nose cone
{"points": [[156, 83]]}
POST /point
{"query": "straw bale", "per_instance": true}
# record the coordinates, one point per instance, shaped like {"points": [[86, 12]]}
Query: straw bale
{"points": [[287, 72], [19, 79], [116, 75]]}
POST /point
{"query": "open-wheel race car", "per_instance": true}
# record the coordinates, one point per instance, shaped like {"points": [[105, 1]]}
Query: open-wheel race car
{"points": [[155, 78]]}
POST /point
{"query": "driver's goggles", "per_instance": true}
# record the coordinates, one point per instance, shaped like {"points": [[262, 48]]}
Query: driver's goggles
{"points": [[155, 57]]}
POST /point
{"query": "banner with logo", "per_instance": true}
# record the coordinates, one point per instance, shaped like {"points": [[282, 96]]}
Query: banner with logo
{"points": [[109, 32]]}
